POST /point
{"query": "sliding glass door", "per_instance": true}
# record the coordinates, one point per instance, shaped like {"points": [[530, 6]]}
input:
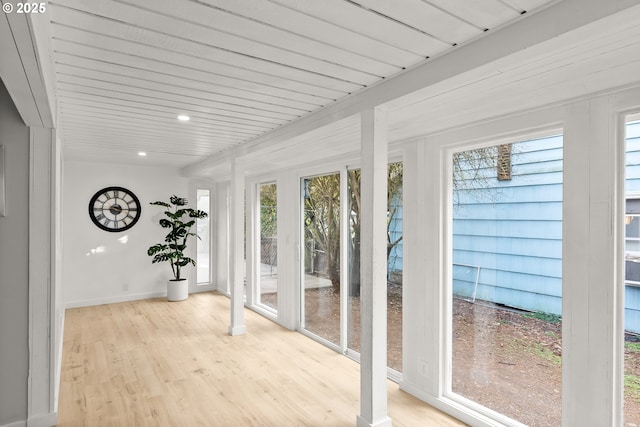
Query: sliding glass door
{"points": [[331, 230], [321, 308], [394, 264], [203, 242]]}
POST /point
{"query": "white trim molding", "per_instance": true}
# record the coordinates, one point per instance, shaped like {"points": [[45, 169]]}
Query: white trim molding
{"points": [[42, 310]]}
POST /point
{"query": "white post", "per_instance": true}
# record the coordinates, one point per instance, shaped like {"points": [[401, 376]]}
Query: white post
{"points": [[591, 221], [373, 271], [236, 273], [222, 240], [288, 218]]}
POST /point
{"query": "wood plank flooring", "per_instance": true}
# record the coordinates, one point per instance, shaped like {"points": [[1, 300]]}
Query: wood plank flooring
{"points": [[155, 363]]}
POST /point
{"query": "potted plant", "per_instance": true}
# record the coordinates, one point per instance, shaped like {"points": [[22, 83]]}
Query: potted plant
{"points": [[179, 221]]}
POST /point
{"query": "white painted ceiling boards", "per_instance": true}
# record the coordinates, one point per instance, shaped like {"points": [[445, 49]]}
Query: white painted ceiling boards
{"points": [[126, 69]]}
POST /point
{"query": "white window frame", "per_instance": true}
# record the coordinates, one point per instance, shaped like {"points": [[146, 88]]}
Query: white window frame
{"points": [[194, 186], [211, 223], [447, 291]]}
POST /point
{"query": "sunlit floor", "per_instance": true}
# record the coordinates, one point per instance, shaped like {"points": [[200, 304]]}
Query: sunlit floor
{"points": [[154, 363]]}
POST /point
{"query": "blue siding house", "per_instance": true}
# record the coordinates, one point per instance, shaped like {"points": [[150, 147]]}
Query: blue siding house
{"points": [[632, 243], [394, 264], [507, 234]]}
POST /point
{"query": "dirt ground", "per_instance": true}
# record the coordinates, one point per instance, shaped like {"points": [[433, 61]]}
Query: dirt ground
{"points": [[506, 360]]}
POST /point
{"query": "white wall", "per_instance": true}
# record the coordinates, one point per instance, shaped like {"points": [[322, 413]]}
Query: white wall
{"points": [[119, 269], [14, 266]]}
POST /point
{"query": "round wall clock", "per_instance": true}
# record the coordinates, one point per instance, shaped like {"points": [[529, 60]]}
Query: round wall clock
{"points": [[114, 209]]}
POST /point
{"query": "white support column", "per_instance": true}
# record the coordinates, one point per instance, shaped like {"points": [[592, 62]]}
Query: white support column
{"points": [[288, 247], [221, 240], [373, 271], [421, 266], [590, 267], [236, 273]]}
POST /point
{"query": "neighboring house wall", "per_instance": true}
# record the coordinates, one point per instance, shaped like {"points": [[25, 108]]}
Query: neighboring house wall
{"points": [[14, 266], [508, 236], [512, 232], [394, 264], [103, 267], [632, 187]]}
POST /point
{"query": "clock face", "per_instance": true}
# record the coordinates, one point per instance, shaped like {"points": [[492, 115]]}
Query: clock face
{"points": [[114, 209]]}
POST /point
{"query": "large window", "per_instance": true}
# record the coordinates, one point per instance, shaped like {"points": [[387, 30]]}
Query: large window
{"points": [[632, 240], [632, 275], [203, 245], [268, 246], [506, 280]]}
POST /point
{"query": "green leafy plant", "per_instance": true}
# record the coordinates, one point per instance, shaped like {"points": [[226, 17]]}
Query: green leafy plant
{"points": [[179, 221]]}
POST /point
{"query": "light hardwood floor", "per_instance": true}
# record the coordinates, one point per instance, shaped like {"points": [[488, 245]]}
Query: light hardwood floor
{"points": [[155, 363]]}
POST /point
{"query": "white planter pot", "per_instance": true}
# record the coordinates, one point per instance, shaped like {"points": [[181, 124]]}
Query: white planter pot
{"points": [[177, 290]]}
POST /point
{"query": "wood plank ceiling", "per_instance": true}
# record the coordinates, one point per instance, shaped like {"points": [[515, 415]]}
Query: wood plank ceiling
{"points": [[126, 69]]}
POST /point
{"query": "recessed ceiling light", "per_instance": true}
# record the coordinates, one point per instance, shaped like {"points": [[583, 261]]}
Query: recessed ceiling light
{"points": [[183, 118], [141, 153]]}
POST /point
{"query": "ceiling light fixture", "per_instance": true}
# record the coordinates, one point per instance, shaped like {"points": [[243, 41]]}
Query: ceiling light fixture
{"points": [[183, 118], [141, 153]]}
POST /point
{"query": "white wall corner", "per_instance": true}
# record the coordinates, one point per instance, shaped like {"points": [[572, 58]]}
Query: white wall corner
{"points": [[40, 399]]}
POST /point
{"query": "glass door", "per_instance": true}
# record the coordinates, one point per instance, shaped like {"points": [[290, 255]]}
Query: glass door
{"points": [[394, 264], [203, 242], [331, 298], [268, 246], [320, 313]]}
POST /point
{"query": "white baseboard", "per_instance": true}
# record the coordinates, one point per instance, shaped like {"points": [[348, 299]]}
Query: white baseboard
{"points": [[58, 369], [203, 288], [114, 299], [16, 424], [46, 420]]}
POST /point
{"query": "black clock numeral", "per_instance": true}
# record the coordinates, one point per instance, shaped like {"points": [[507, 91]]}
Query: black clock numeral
{"points": [[116, 194], [100, 217], [107, 221]]}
